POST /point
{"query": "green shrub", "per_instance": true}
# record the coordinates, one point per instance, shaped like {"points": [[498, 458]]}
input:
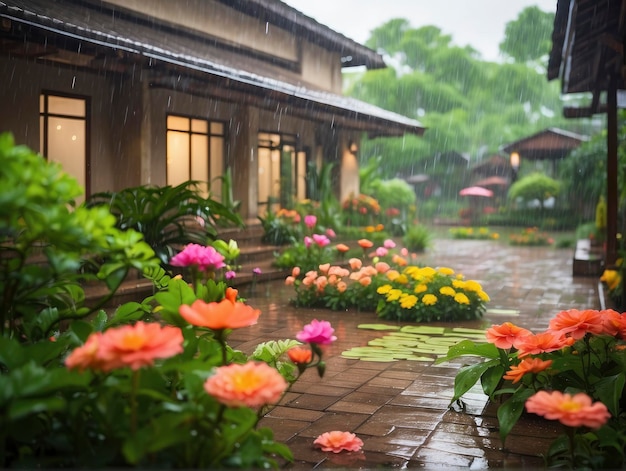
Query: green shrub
{"points": [[417, 238]]}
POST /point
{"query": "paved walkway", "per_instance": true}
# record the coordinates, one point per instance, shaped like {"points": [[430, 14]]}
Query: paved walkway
{"points": [[400, 409]]}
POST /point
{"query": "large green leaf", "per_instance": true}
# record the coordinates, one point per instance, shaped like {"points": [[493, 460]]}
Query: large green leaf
{"points": [[511, 410], [468, 376], [609, 390], [468, 347]]}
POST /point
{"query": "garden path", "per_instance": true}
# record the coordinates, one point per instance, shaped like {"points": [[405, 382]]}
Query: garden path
{"points": [[400, 409]]}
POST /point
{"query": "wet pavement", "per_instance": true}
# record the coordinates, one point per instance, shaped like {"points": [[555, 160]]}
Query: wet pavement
{"points": [[400, 409]]}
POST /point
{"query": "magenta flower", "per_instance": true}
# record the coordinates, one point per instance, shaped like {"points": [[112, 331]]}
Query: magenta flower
{"points": [[319, 332], [389, 244], [330, 233], [321, 240], [230, 274], [256, 271], [205, 258], [307, 241], [310, 221]]}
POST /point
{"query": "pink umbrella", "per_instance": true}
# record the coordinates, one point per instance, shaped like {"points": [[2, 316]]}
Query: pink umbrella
{"points": [[476, 191]]}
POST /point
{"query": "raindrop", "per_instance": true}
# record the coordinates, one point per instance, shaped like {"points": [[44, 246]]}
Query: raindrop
{"points": [[73, 81], [267, 27]]}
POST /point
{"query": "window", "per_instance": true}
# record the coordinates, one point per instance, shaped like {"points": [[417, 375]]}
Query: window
{"points": [[63, 133], [282, 172], [195, 151]]}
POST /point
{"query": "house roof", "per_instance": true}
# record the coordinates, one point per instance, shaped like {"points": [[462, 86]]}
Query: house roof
{"points": [[549, 144], [587, 48], [157, 45]]}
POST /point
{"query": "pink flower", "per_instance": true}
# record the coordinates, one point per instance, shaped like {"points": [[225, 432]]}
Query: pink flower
{"points": [[321, 240], [330, 233], [337, 441], [572, 410], [256, 271], [320, 332], [249, 385], [230, 274], [310, 221], [307, 241], [389, 244], [198, 255], [381, 251]]}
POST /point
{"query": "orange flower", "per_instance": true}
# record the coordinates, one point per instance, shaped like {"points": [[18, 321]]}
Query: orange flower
{"points": [[226, 314], [613, 323], [295, 272], [503, 336], [382, 267], [290, 281], [342, 286], [336, 441], [577, 323], [573, 411], [342, 248], [544, 342], [324, 268], [134, 346], [527, 365], [355, 263], [300, 355], [365, 244], [365, 281], [249, 385], [86, 356]]}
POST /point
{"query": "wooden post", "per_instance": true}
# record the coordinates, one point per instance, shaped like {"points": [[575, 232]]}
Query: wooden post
{"points": [[611, 174]]}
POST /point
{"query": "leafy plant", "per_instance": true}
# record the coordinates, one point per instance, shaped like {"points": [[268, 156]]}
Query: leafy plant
{"points": [[417, 238], [168, 217], [480, 233], [153, 383], [282, 227], [49, 247], [531, 237]]}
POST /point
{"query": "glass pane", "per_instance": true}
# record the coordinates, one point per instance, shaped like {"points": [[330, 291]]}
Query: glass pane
{"points": [[199, 126], [301, 176], [265, 175], [67, 145], [177, 123], [216, 165], [177, 158], [200, 161], [66, 106], [217, 128]]}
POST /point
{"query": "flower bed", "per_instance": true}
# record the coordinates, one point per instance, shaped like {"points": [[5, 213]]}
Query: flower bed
{"points": [[574, 372], [531, 237], [480, 233]]}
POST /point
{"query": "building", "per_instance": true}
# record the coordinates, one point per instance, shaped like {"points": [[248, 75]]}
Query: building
{"points": [[132, 92]]}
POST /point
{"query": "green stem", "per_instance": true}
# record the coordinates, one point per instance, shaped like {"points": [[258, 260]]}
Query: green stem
{"points": [[133, 401]]}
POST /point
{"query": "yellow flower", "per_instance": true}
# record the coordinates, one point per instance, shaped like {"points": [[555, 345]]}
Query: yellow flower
{"points": [[447, 291], [446, 271], [384, 289], [392, 275], [420, 288], [461, 298], [394, 295], [429, 299], [428, 272], [458, 284], [370, 229], [408, 301], [402, 279], [471, 285], [611, 278], [483, 296]]}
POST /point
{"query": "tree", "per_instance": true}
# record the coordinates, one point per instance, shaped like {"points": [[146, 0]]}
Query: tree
{"points": [[536, 186], [528, 38], [467, 105]]}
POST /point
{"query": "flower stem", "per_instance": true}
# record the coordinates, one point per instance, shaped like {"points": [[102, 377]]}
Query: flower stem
{"points": [[133, 401]]}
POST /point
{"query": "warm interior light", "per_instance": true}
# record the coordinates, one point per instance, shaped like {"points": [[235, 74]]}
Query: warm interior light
{"points": [[515, 160], [353, 147]]}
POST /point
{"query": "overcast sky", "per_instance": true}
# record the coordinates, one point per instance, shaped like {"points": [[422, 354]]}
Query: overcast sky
{"points": [[478, 23]]}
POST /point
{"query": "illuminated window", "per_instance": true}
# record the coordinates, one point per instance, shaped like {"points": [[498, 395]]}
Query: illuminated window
{"points": [[282, 172], [63, 134], [195, 151]]}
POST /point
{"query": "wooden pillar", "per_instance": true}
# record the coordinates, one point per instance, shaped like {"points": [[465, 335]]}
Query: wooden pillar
{"points": [[611, 174]]}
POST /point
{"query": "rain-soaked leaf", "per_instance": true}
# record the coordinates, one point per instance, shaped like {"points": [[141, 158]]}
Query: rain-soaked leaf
{"points": [[378, 327]]}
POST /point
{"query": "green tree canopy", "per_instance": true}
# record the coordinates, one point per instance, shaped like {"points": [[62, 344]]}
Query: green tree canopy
{"points": [[467, 105], [528, 38], [536, 186]]}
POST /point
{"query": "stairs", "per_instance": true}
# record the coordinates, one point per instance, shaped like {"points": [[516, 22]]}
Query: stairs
{"points": [[254, 254]]}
